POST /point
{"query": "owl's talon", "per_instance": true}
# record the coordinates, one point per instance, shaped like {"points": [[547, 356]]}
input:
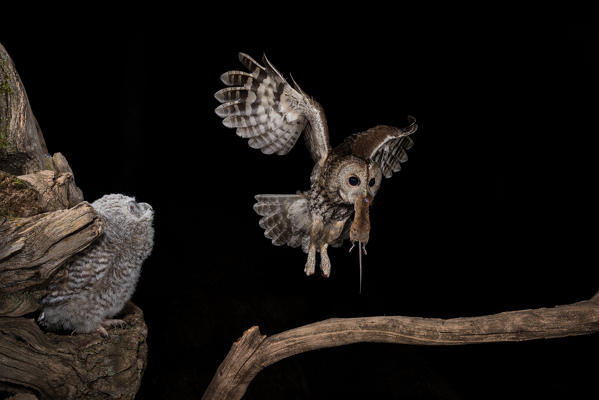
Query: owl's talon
{"points": [[309, 270]]}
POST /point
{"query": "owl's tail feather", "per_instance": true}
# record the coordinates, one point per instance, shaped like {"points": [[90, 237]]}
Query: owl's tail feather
{"points": [[285, 218]]}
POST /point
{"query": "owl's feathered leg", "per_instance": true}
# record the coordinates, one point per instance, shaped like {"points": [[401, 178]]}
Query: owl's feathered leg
{"points": [[311, 262], [325, 262], [315, 233]]}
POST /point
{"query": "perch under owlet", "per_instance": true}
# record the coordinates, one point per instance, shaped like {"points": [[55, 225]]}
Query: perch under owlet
{"points": [[102, 278], [271, 114]]}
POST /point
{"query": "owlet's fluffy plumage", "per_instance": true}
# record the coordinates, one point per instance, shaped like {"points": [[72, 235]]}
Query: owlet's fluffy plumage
{"points": [[102, 278], [271, 114]]}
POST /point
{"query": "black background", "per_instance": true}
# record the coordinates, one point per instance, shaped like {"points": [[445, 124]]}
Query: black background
{"points": [[495, 209]]}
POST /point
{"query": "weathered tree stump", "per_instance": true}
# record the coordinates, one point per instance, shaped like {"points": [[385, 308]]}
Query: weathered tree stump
{"points": [[43, 222], [22, 146], [54, 366]]}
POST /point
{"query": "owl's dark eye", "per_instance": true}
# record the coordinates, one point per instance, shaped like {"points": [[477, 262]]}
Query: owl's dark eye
{"points": [[354, 180], [371, 182]]}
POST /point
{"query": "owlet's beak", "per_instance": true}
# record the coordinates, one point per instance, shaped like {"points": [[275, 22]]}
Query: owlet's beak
{"points": [[360, 227]]}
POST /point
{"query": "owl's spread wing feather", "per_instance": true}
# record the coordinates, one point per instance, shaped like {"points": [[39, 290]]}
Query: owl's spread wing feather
{"points": [[385, 145], [286, 218], [270, 113]]}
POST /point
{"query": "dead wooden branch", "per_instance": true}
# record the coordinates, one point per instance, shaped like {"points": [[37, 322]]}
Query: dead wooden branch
{"points": [[42, 191], [53, 366], [254, 351], [33, 249]]}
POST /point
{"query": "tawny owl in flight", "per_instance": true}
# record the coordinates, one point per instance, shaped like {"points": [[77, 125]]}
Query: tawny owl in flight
{"points": [[271, 114]]}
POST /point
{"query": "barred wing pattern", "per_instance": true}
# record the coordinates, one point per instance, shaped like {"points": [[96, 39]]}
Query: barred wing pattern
{"points": [[285, 218], [81, 274], [385, 145], [270, 113]]}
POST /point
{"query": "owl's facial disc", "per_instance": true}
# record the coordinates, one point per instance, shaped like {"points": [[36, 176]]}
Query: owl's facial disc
{"points": [[358, 182], [356, 179], [352, 179]]}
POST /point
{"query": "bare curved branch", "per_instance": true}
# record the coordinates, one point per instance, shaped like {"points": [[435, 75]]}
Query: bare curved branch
{"points": [[254, 351]]}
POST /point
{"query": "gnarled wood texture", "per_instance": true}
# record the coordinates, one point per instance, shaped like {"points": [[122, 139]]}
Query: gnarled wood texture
{"points": [[22, 146], [43, 222], [54, 366], [33, 249], [38, 192], [254, 351]]}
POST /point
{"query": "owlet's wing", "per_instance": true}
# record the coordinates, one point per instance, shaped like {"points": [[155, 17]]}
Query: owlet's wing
{"points": [[82, 272], [271, 114]]}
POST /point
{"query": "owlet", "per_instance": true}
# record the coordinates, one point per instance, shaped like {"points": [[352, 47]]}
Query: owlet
{"points": [[102, 278]]}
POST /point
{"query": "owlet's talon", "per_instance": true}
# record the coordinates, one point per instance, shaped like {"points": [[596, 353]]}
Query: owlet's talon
{"points": [[102, 331], [114, 323]]}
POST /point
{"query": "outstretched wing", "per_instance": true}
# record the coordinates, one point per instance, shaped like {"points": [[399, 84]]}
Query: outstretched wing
{"points": [[385, 145], [270, 113], [286, 218]]}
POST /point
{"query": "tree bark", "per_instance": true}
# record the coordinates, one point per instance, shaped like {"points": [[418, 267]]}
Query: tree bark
{"points": [[33, 249], [254, 351], [53, 366], [43, 222], [22, 146]]}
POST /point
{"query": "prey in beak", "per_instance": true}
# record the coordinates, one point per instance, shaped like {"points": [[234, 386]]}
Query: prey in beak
{"points": [[359, 230]]}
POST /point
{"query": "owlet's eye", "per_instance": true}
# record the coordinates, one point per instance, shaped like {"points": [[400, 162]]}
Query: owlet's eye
{"points": [[354, 180], [371, 182]]}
